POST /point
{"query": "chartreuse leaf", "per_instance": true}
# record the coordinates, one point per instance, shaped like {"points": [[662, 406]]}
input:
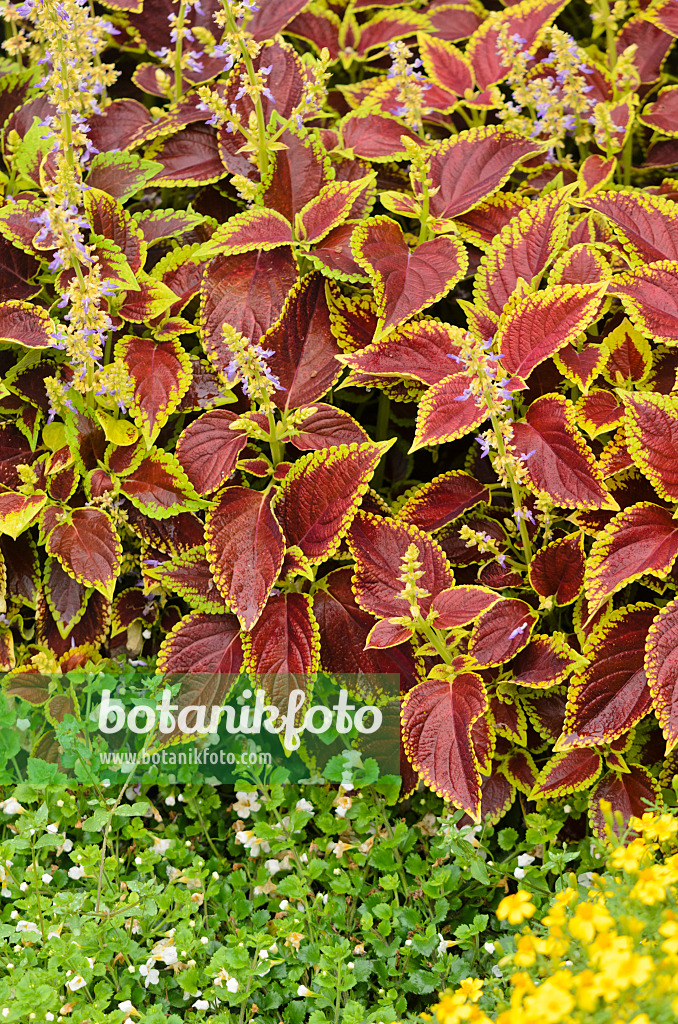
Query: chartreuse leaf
{"points": [[18, 511], [119, 432]]}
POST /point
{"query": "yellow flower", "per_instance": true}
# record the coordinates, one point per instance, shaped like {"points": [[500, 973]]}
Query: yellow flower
{"points": [[650, 887], [629, 858], [525, 954], [670, 929], [472, 988], [656, 826], [516, 908], [550, 1003], [589, 918], [590, 987]]}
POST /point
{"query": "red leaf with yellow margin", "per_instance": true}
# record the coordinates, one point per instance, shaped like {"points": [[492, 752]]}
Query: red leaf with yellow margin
{"points": [[470, 166], [640, 540], [458, 606], [24, 324], [327, 427], [303, 344], [661, 666], [628, 793], [442, 500], [534, 327], [208, 449], [18, 511], [437, 718], [245, 550], [650, 297], [258, 228], [160, 375], [545, 661], [526, 19], [651, 431], [331, 207], [562, 466], [612, 694], [379, 546], [405, 281], [445, 64], [320, 495], [449, 410], [501, 631], [88, 547], [646, 224], [283, 650], [557, 569], [567, 772], [376, 137], [420, 351]]}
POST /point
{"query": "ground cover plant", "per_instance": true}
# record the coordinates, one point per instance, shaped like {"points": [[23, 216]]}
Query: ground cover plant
{"points": [[340, 337]]}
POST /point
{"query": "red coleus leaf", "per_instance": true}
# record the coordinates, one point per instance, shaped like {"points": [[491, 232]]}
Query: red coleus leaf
{"points": [[15, 450], [379, 547], [24, 324], [188, 574], [646, 224], [650, 297], [191, 157], [151, 300], [628, 793], [651, 432], [448, 410], [437, 718], [583, 367], [419, 351], [297, 173], [16, 270], [545, 661], [520, 769], [159, 488], [599, 412], [319, 497], [445, 64], [662, 115], [283, 650], [534, 327], [88, 547], [331, 207], [561, 465], [22, 569], [159, 375], [344, 628], [612, 694], [376, 137], [245, 550], [405, 281], [387, 634], [630, 355], [557, 569], [208, 450], [546, 713], [303, 344], [458, 606], [470, 166], [271, 16], [640, 540], [258, 228], [203, 646], [247, 292], [523, 249], [498, 794], [442, 499], [121, 125], [526, 19], [581, 264], [155, 225], [65, 596], [501, 631], [508, 719], [661, 666], [327, 427], [110, 219], [567, 772], [334, 254]]}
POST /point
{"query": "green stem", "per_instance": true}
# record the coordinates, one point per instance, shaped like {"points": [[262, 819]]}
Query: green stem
{"points": [[436, 639], [178, 46], [424, 229], [515, 490], [383, 415], [276, 449], [251, 74], [37, 889], [627, 160]]}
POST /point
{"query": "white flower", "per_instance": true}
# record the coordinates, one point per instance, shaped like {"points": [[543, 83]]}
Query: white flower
{"points": [[49, 1016], [232, 985], [489, 947], [23, 886], [224, 976], [52, 828], [204, 940], [408, 942], [22, 724], [27, 926], [342, 804], [246, 803], [151, 975], [350, 965], [76, 871], [305, 805], [76, 982], [201, 1004], [263, 953], [5, 1011], [46, 878], [138, 861], [284, 904], [161, 846], [170, 800], [127, 1006], [524, 860], [567, 809], [519, 873], [272, 866], [497, 972], [443, 944], [164, 950], [67, 845], [11, 806], [303, 991]]}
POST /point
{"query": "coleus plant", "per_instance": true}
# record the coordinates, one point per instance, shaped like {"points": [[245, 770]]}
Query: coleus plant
{"points": [[345, 336]]}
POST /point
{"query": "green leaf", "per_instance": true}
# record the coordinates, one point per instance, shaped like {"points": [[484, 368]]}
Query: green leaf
{"points": [[507, 838], [42, 773]]}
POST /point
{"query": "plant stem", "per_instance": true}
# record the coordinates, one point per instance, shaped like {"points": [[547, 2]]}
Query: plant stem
{"points": [[276, 450], [383, 414], [515, 490], [178, 46]]}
